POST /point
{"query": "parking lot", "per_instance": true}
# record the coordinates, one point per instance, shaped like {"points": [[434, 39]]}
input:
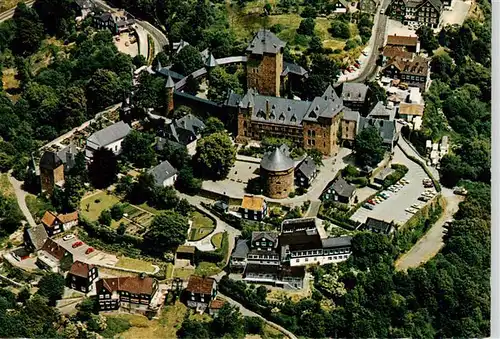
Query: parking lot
{"points": [[393, 209], [78, 252]]}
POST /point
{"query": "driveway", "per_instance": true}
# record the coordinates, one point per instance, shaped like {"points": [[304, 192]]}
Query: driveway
{"points": [[457, 14], [430, 244], [393, 209], [21, 199]]}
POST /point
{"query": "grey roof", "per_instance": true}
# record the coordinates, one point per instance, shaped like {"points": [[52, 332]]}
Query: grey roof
{"points": [[180, 45], [379, 226], [382, 112], [110, 134], [307, 167], [298, 225], [210, 61], [185, 129], [351, 115], [275, 110], [170, 83], [328, 105], [437, 4], [264, 41], [343, 188], [67, 155], [38, 236], [271, 236], [205, 53], [289, 67], [386, 128], [84, 4], [162, 172], [106, 16], [276, 161], [50, 160], [241, 249], [168, 73], [332, 242], [233, 99], [355, 92]]}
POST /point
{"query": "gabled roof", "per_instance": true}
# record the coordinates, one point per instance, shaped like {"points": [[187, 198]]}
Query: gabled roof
{"points": [[50, 160], [386, 128], [271, 236], [307, 167], [38, 236], [411, 109], [400, 40], [289, 67], [185, 129], [416, 66], [110, 134], [200, 285], [378, 225], [135, 285], [81, 269], [241, 249], [381, 110], [276, 161], [253, 203], [54, 249], [350, 115], [264, 41], [354, 92], [327, 105], [84, 4], [68, 217], [210, 61], [216, 304], [394, 51], [437, 4], [343, 188], [170, 83], [162, 172], [49, 218]]}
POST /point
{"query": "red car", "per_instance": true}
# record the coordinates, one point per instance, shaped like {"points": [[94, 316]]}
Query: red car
{"points": [[89, 250], [77, 244], [371, 202]]}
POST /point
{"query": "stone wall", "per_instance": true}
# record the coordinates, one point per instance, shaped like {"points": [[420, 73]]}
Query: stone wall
{"points": [[348, 130], [264, 73], [278, 185], [322, 135], [49, 178]]}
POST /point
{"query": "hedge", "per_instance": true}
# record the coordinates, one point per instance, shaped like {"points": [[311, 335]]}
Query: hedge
{"points": [[424, 167], [218, 256], [391, 179]]}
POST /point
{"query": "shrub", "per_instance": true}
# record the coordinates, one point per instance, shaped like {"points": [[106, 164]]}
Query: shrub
{"points": [[350, 44], [350, 171], [276, 28], [340, 29], [117, 211], [105, 218], [291, 194]]}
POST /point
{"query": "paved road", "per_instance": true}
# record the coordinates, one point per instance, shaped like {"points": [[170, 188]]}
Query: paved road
{"points": [[21, 199], [10, 13], [313, 208], [430, 244], [246, 312]]}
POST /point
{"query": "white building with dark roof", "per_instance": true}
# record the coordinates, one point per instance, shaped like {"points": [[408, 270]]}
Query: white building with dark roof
{"points": [[164, 174], [110, 138]]}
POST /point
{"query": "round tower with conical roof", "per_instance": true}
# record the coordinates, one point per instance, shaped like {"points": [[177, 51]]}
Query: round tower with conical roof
{"points": [[277, 173], [169, 96]]}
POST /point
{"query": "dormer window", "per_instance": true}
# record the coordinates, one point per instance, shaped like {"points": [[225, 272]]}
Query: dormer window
{"points": [[282, 117], [289, 109], [261, 114], [293, 118], [312, 115]]}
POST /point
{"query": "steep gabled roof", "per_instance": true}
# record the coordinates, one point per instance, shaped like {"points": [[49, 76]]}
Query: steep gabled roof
{"points": [[265, 41], [54, 249], [50, 160], [200, 285], [110, 134], [271, 236], [38, 236], [49, 218], [354, 92], [81, 269], [307, 167], [327, 105], [135, 285], [400, 40], [162, 172], [343, 188]]}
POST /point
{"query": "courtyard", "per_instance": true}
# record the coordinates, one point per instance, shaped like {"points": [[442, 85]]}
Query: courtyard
{"points": [[127, 44]]}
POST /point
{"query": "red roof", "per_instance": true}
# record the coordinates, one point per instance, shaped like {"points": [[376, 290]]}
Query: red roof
{"points": [[48, 219], [54, 249], [217, 304], [81, 269], [136, 285], [399, 40], [200, 285]]}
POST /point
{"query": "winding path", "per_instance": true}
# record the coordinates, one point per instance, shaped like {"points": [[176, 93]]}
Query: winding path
{"points": [[21, 199]]}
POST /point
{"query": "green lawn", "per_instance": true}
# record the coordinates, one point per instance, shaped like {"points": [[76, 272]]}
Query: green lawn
{"points": [[202, 226], [183, 273], [135, 264], [207, 269], [5, 186], [217, 240], [96, 204]]}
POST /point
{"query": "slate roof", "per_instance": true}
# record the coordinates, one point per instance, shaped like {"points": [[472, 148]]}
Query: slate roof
{"points": [[354, 92], [271, 236], [50, 160], [210, 61], [380, 110], [252, 203], [54, 249], [170, 83], [68, 153], [84, 4], [185, 129], [386, 128], [380, 225], [307, 167], [327, 105], [110, 134], [200, 285], [343, 188], [259, 268], [162, 172], [333, 242], [178, 46], [241, 249], [437, 4], [264, 41], [135, 285], [38, 236], [289, 67], [80, 269], [350, 115], [300, 241], [233, 99], [276, 161], [168, 73]]}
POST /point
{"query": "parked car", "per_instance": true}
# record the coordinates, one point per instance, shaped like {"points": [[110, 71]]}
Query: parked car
{"points": [[89, 250], [77, 244], [68, 237], [368, 206], [424, 198], [371, 202], [357, 65], [460, 191]]}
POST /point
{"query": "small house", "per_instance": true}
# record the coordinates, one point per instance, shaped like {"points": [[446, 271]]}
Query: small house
{"points": [[215, 306], [253, 208], [57, 223], [53, 257], [238, 259], [35, 237], [379, 226], [306, 172], [340, 191], [185, 131], [185, 252], [81, 276], [110, 138], [164, 174], [408, 43], [200, 292]]}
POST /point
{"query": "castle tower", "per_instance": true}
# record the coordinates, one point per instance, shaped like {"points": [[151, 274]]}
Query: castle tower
{"points": [[265, 63], [277, 174], [169, 96]]}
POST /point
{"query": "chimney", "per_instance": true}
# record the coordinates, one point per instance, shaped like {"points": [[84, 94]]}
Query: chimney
{"points": [[267, 109]]}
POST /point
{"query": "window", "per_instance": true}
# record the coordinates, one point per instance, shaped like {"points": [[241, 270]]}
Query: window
{"points": [[101, 296]]}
